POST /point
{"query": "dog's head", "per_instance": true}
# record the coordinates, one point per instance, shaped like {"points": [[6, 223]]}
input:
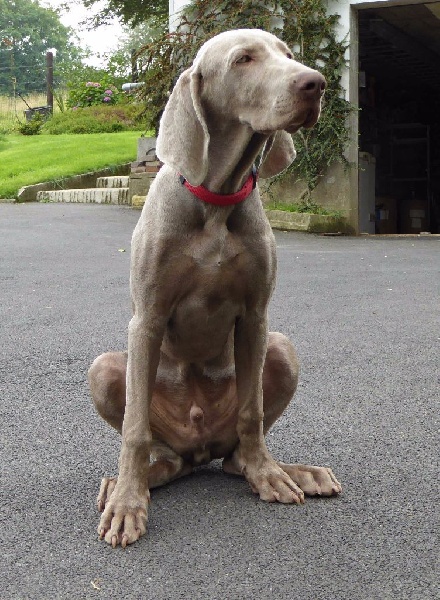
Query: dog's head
{"points": [[245, 77], [251, 76]]}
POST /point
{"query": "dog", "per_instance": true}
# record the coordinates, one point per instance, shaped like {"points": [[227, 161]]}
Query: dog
{"points": [[203, 378]]}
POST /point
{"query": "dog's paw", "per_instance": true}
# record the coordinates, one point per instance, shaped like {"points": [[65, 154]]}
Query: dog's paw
{"points": [[314, 481], [124, 518], [273, 484], [108, 484]]}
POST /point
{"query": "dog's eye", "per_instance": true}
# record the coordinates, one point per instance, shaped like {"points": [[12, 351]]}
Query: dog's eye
{"points": [[243, 59], [289, 55]]}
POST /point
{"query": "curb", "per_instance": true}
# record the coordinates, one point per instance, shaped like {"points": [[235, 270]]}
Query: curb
{"points": [[290, 221]]}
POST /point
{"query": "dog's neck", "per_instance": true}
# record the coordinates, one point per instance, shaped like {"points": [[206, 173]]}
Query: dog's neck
{"points": [[233, 150]]}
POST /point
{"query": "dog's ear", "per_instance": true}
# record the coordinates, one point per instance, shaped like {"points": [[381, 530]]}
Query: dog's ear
{"points": [[278, 153], [183, 137]]}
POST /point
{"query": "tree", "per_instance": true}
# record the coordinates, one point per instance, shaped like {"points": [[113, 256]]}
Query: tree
{"points": [[132, 39], [132, 12], [27, 31]]}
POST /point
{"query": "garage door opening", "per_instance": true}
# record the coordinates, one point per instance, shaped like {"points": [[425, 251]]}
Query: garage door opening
{"points": [[399, 121]]}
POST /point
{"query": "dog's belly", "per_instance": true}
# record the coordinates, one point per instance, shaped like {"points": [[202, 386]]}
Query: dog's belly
{"points": [[197, 417]]}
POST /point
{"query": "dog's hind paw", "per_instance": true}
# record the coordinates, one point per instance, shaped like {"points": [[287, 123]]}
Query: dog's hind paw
{"points": [[108, 484]]}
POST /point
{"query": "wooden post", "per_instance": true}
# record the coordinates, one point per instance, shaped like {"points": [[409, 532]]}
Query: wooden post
{"points": [[49, 80]]}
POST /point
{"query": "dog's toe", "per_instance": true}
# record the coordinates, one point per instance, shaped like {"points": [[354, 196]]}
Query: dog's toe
{"points": [[105, 491], [314, 481]]}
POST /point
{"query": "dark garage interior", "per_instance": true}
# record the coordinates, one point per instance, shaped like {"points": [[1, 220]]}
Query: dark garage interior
{"points": [[399, 120]]}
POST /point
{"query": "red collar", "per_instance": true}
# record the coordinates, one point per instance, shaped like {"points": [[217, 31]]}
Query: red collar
{"points": [[222, 199]]}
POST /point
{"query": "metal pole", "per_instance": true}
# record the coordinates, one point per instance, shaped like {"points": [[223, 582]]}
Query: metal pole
{"points": [[49, 80]]}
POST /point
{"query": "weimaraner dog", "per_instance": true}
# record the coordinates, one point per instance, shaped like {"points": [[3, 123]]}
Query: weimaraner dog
{"points": [[203, 378]]}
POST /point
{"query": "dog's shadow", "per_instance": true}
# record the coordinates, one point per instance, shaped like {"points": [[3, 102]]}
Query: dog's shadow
{"points": [[209, 502], [208, 481], [199, 502]]}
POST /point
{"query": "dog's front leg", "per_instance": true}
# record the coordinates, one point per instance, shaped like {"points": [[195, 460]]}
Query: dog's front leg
{"points": [[124, 519], [251, 457]]}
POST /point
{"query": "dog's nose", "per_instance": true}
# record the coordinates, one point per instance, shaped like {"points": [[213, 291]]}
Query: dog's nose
{"points": [[311, 84]]}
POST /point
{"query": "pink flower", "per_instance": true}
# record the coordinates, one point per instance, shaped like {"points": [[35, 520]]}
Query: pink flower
{"points": [[89, 84], [108, 92], [107, 99]]}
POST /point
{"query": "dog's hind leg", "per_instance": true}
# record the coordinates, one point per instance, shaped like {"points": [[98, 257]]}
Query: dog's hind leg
{"points": [[108, 388], [107, 376], [165, 466]]}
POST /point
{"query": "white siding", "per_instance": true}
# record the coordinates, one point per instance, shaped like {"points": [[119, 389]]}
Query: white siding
{"points": [[175, 7]]}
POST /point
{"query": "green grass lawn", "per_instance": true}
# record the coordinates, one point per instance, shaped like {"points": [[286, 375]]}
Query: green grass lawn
{"points": [[25, 160]]}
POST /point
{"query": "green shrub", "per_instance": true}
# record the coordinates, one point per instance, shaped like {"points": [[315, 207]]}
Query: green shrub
{"points": [[32, 127], [94, 119], [93, 93]]}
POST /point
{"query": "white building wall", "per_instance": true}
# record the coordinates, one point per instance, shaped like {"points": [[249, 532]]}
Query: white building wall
{"points": [[175, 7]]}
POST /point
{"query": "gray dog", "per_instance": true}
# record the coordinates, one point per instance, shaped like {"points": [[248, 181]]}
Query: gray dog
{"points": [[203, 378]]}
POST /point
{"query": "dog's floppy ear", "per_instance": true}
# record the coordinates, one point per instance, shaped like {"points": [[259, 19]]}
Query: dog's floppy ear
{"points": [[183, 137], [278, 153]]}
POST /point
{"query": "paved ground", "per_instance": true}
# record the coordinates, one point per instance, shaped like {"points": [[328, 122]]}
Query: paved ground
{"points": [[364, 314]]}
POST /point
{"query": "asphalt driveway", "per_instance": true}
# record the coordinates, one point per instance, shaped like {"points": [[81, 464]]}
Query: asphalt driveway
{"points": [[365, 317]]}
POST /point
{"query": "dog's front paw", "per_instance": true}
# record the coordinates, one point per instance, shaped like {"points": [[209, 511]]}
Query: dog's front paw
{"points": [[124, 519], [273, 484]]}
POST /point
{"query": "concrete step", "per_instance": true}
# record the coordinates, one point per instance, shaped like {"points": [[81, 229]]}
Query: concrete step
{"points": [[91, 195], [119, 181]]}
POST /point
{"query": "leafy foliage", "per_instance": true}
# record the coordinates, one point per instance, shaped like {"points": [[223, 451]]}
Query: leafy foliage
{"points": [[304, 25], [132, 12], [32, 127], [75, 75], [120, 61], [93, 93], [27, 30], [94, 119]]}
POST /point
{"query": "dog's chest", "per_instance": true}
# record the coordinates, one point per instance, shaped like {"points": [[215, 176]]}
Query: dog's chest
{"points": [[212, 295], [221, 275], [221, 259], [215, 248]]}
